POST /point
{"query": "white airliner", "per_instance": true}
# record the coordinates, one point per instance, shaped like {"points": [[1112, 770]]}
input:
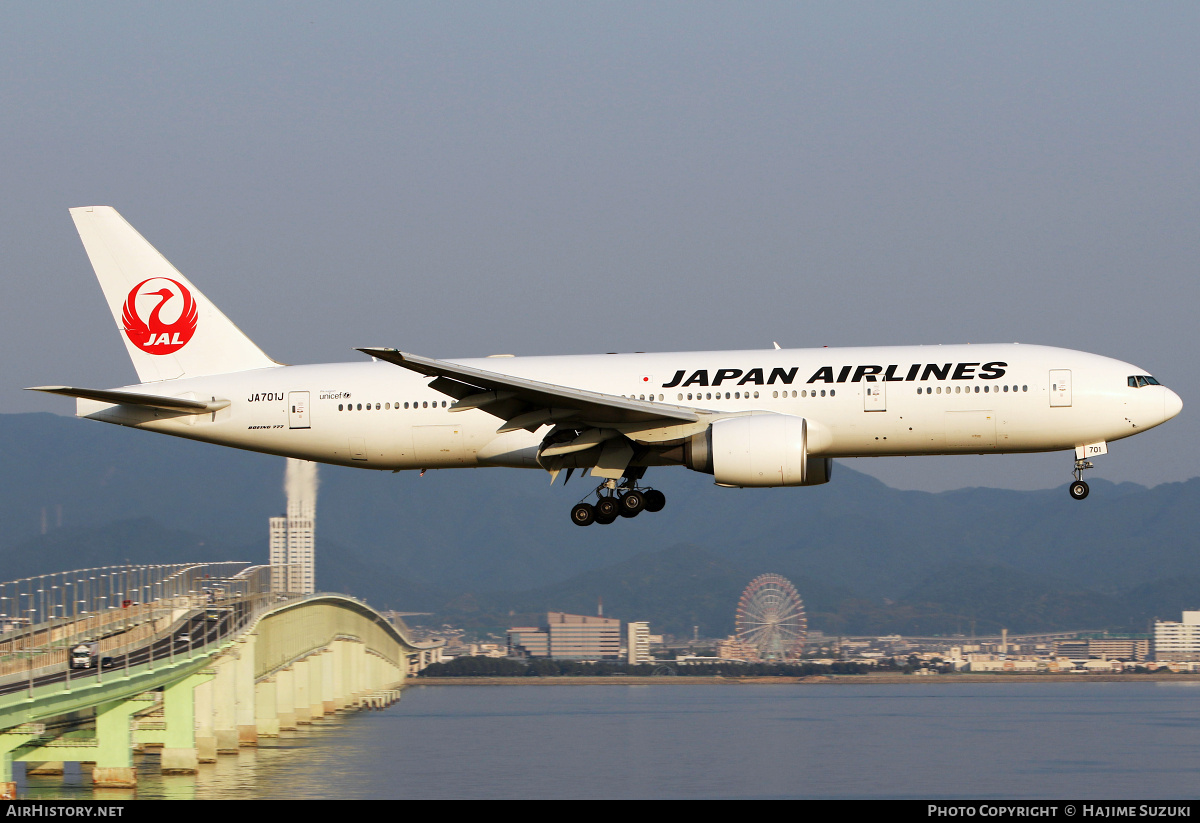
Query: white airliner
{"points": [[775, 417]]}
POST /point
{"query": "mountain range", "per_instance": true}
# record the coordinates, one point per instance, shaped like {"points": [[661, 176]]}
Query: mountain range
{"points": [[493, 547]]}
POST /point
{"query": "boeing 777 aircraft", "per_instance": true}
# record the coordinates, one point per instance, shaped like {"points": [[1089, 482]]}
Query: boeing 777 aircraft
{"points": [[776, 417]]}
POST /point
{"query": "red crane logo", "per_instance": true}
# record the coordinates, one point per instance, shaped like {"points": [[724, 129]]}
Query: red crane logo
{"points": [[153, 335]]}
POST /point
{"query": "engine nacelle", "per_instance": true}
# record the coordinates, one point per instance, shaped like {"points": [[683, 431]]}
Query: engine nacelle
{"points": [[758, 450]]}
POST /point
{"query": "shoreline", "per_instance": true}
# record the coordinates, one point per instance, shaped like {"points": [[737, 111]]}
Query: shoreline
{"points": [[818, 680]]}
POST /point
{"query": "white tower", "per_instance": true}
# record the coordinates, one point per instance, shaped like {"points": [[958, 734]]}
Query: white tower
{"points": [[637, 643], [292, 543]]}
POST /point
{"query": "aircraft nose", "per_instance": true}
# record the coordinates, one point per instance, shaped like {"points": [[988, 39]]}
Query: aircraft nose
{"points": [[1172, 405]]}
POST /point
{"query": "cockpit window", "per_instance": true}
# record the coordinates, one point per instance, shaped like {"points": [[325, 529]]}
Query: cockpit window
{"points": [[1136, 381]]}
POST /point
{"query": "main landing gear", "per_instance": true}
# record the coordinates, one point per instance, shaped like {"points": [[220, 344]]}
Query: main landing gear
{"points": [[1079, 488], [613, 502]]}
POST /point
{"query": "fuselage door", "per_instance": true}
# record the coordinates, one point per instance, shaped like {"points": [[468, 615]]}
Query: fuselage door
{"points": [[874, 397], [1060, 387], [298, 416]]}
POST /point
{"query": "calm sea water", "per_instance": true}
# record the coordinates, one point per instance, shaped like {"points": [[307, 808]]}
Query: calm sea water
{"points": [[1014, 741]]}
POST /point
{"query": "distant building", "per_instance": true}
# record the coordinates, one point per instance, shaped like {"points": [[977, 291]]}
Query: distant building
{"points": [[1111, 647], [568, 637], [637, 642], [1178, 642], [528, 641], [734, 649], [293, 536], [293, 557]]}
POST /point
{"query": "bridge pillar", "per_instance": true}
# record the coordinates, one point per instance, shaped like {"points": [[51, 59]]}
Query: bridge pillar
{"points": [[379, 673], [266, 707], [246, 719], [329, 665], [10, 740], [349, 676], [179, 755], [341, 660], [206, 737], [358, 667], [285, 698], [316, 679], [114, 767], [301, 705], [372, 681], [225, 703]]}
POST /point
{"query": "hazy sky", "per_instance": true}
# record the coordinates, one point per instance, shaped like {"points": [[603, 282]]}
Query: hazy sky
{"points": [[460, 179]]}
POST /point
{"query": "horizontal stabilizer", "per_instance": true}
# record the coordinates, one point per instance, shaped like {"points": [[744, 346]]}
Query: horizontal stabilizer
{"points": [[152, 401]]}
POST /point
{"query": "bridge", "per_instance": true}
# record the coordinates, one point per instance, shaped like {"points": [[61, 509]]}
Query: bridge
{"points": [[198, 659]]}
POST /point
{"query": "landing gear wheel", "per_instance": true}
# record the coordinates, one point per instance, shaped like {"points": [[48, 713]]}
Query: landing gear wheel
{"points": [[607, 508], [655, 500], [632, 503], [583, 515], [1079, 489]]}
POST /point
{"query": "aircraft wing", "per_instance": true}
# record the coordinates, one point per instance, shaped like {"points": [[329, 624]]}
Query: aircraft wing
{"points": [[527, 404], [153, 401]]}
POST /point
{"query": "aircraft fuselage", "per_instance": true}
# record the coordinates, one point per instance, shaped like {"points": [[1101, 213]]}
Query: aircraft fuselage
{"points": [[860, 402]]}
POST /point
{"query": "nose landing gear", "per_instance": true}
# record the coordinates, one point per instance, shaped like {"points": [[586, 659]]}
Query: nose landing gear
{"points": [[612, 502], [1079, 488]]}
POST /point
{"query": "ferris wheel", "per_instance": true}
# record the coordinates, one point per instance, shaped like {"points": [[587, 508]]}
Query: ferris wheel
{"points": [[771, 619]]}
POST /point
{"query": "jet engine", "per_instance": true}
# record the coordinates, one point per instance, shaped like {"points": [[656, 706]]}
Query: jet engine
{"points": [[757, 450]]}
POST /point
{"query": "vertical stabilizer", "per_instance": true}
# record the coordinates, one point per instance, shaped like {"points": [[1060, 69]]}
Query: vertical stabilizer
{"points": [[169, 327]]}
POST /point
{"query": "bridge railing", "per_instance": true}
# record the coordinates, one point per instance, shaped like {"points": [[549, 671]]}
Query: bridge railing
{"points": [[120, 608]]}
